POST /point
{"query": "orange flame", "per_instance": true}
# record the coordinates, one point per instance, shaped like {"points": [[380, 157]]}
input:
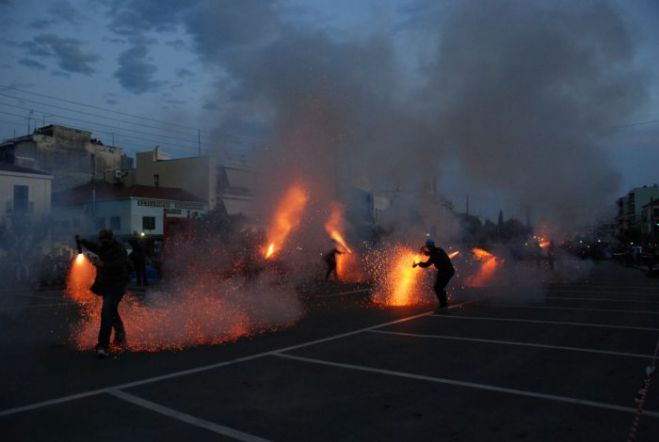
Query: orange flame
{"points": [[270, 251], [334, 226], [489, 264], [80, 278], [544, 244], [348, 266], [287, 217], [400, 283]]}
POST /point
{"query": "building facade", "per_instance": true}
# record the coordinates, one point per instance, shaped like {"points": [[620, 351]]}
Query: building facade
{"points": [[650, 219], [71, 156], [630, 208], [124, 209], [24, 191], [227, 187]]}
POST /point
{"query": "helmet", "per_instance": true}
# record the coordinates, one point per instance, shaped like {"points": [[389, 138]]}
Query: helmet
{"points": [[430, 243]]}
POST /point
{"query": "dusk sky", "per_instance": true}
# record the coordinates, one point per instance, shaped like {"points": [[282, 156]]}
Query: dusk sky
{"points": [[188, 65]]}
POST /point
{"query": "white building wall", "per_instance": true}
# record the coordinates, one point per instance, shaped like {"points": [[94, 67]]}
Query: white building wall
{"points": [[138, 212], [109, 209], [39, 192]]}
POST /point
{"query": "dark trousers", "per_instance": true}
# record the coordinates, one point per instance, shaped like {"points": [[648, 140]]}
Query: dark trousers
{"points": [[110, 318], [440, 287], [331, 268], [140, 273]]}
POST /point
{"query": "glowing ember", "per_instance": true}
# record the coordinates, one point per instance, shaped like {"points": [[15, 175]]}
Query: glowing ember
{"points": [[544, 243], [200, 313], [287, 217], [349, 268], [399, 284], [489, 264], [453, 254]]}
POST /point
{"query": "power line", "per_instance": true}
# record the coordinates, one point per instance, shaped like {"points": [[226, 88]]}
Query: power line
{"points": [[85, 113], [95, 107], [95, 129], [225, 134], [100, 124]]}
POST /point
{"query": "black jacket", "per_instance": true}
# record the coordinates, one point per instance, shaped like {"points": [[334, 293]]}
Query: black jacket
{"points": [[113, 274], [440, 260]]}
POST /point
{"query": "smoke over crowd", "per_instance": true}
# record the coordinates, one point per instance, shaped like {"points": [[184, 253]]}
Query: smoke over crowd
{"points": [[509, 98], [520, 93]]}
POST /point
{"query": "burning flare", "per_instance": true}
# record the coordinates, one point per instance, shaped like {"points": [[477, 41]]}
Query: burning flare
{"points": [[334, 226], [489, 264], [199, 312], [348, 266], [80, 278], [399, 284], [287, 217]]}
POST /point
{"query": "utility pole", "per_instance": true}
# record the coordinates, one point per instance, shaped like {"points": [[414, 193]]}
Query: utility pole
{"points": [[199, 141], [29, 120]]}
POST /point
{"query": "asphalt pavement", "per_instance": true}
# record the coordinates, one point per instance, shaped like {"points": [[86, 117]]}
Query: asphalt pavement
{"points": [[565, 363]]}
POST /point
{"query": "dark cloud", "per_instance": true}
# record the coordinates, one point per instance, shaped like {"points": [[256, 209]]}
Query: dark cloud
{"points": [[220, 26], [184, 73], [177, 45], [32, 64], [60, 12], [70, 54], [135, 73], [211, 106], [42, 23], [63, 11], [130, 18], [111, 102], [176, 102]]}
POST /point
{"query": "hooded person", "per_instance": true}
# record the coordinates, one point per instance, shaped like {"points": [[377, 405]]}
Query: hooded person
{"points": [[112, 273], [445, 271]]}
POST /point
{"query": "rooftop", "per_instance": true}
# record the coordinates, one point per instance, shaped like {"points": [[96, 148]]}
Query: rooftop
{"points": [[106, 191]]}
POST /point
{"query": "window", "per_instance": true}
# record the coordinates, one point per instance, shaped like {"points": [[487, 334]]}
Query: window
{"points": [[115, 223], [148, 223], [21, 198]]}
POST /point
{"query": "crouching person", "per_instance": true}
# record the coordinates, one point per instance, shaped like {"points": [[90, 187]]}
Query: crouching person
{"points": [[112, 273]]}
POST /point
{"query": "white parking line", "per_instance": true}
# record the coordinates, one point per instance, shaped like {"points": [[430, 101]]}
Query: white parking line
{"points": [[188, 419], [515, 343], [621, 300], [621, 290], [541, 321], [201, 369], [473, 385], [580, 309]]}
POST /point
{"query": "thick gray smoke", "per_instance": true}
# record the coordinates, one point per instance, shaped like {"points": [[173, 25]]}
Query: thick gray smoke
{"points": [[517, 94], [520, 92], [525, 91]]}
